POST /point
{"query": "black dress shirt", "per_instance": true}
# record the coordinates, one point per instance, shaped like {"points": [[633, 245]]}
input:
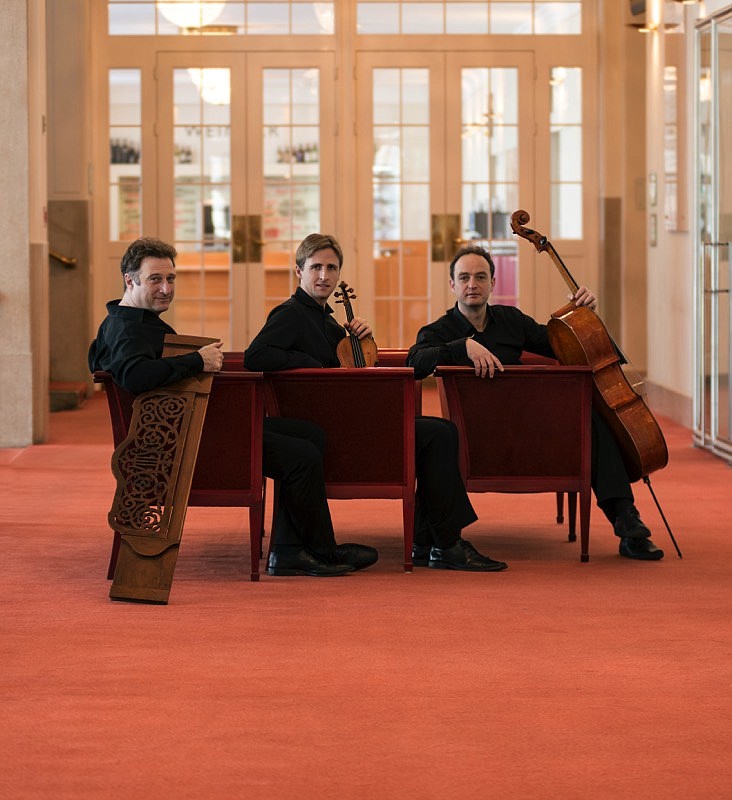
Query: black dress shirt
{"points": [[298, 333], [129, 346], [507, 333]]}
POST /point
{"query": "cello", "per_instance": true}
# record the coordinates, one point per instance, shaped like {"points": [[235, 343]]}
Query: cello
{"points": [[352, 351], [579, 337]]}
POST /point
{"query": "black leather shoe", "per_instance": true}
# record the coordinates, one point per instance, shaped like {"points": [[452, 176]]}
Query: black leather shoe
{"points": [[300, 562], [629, 525], [421, 555], [641, 549], [359, 556], [463, 556]]}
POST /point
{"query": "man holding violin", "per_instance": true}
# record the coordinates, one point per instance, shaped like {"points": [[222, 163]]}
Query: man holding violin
{"points": [[475, 333], [301, 333]]}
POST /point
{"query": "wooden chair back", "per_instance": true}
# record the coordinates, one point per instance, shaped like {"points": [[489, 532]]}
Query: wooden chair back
{"points": [[527, 429], [396, 357], [368, 418]]}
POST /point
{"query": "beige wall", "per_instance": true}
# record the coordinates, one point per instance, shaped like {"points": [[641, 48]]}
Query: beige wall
{"points": [[23, 238]]}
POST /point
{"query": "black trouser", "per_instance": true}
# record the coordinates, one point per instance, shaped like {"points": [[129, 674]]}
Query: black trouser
{"points": [[443, 508], [609, 475], [293, 455]]}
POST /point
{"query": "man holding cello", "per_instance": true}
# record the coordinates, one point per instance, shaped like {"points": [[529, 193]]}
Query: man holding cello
{"points": [[475, 333], [301, 333]]}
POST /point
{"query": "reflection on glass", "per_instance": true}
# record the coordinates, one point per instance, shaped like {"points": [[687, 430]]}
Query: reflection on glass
{"points": [[268, 18], [387, 153], [386, 96], [202, 198], [416, 214], [124, 97], [565, 153], [566, 96], [387, 209], [566, 210], [125, 154], [217, 17], [511, 18], [466, 18], [216, 157], [422, 18], [415, 106], [401, 202], [490, 169], [416, 153], [313, 18], [377, 18], [291, 167], [559, 18], [132, 19]]}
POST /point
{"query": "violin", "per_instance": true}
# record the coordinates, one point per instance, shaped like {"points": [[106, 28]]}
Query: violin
{"points": [[579, 338], [352, 351]]}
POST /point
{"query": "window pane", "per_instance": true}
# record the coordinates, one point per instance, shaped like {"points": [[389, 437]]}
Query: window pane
{"points": [[422, 18], [124, 97], [415, 97], [377, 18], [566, 211], [416, 211], [512, 18], [125, 154], [135, 19], [566, 95], [276, 90], [313, 18], [559, 18], [386, 95], [387, 162], [416, 160], [268, 18], [306, 96], [566, 153], [387, 210], [466, 18]]}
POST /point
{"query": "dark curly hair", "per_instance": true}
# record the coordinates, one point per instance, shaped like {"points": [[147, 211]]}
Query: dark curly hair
{"points": [[141, 249]]}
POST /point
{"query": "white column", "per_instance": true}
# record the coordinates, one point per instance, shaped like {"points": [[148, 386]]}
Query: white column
{"points": [[23, 237]]}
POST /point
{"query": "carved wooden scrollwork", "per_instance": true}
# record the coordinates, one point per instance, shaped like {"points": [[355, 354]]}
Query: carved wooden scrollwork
{"points": [[147, 463], [154, 467]]}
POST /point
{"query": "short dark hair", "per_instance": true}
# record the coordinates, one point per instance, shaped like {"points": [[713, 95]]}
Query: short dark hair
{"points": [[314, 242], [144, 248], [472, 249]]}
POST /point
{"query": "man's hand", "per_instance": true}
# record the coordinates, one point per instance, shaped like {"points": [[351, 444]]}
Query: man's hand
{"points": [[358, 327], [213, 358], [485, 362], [584, 297]]}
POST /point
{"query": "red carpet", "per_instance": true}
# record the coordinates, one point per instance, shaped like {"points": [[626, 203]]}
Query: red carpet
{"points": [[554, 679]]}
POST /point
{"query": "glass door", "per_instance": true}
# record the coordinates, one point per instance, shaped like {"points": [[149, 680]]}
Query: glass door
{"points": [[445, 153], [241, 162], [712, 398]]}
